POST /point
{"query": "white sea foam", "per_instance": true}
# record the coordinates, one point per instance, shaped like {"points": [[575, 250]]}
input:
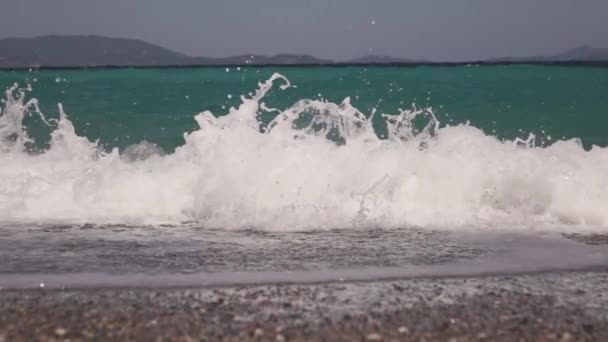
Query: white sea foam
{"points": [[317, 165]]}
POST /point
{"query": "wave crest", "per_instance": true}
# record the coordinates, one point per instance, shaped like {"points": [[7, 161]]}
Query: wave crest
{"points": [[315, 165]]}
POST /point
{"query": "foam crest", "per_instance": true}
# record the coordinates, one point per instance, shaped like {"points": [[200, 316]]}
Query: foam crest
{"points": [[315, 165]]}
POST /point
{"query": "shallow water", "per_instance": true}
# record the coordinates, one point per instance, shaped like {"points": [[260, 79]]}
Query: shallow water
{"points": [[94, 256]]}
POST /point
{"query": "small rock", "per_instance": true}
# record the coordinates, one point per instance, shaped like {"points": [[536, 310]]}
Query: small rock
{"points": [[566, 337], [403, 330], [280, 337], [482, 336], [398, 288], [258, 332], [588, 327], [374, 337], [60, 332]]}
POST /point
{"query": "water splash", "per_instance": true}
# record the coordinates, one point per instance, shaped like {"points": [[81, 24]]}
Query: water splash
{"points": [[315, 165], [13, 109]]}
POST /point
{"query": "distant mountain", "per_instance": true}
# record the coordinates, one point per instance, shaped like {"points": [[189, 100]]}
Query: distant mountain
{"points": [[375, 59], [80, 51], [281, 59], [582, 53], [92, 51], [579, 54]]}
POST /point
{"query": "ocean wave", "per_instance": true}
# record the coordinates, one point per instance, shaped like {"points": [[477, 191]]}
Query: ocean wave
{"points": [[315, 165]]}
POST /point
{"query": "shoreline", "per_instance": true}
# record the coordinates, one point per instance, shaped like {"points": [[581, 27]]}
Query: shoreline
{"points": [[168, 282], [558, 306]]}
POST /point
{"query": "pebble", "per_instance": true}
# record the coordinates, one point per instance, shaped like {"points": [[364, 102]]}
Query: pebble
{"points": [[403, 330], [60, 332], [374, 337]]}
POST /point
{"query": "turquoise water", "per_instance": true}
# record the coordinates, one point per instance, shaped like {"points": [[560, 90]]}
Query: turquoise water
{"points": [[507, 147], [124, 106]]}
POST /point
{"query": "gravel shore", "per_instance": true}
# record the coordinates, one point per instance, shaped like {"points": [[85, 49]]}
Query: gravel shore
{"points": [[556, 306]]}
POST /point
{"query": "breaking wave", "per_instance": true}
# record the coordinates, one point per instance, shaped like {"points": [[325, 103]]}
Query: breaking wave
{"points": [[315, 165]]}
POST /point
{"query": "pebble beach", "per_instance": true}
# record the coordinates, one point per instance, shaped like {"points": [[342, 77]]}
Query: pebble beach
{"points": [[563, 306]]}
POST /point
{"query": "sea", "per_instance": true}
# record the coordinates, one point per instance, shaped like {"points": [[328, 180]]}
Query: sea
{"points": [[236, 175]]}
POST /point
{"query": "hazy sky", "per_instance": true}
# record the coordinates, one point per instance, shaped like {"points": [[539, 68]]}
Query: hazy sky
{"points": [[435, 29]]}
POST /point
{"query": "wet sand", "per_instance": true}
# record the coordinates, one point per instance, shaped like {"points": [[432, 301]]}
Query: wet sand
{"points": [[566, 306]]}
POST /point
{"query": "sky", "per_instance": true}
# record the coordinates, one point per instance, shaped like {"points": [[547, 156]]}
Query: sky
{"points": [[441, 30]]}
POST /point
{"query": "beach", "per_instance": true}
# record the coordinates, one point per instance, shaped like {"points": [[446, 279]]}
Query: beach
{"points": [[555, 306], [170, 283]]}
